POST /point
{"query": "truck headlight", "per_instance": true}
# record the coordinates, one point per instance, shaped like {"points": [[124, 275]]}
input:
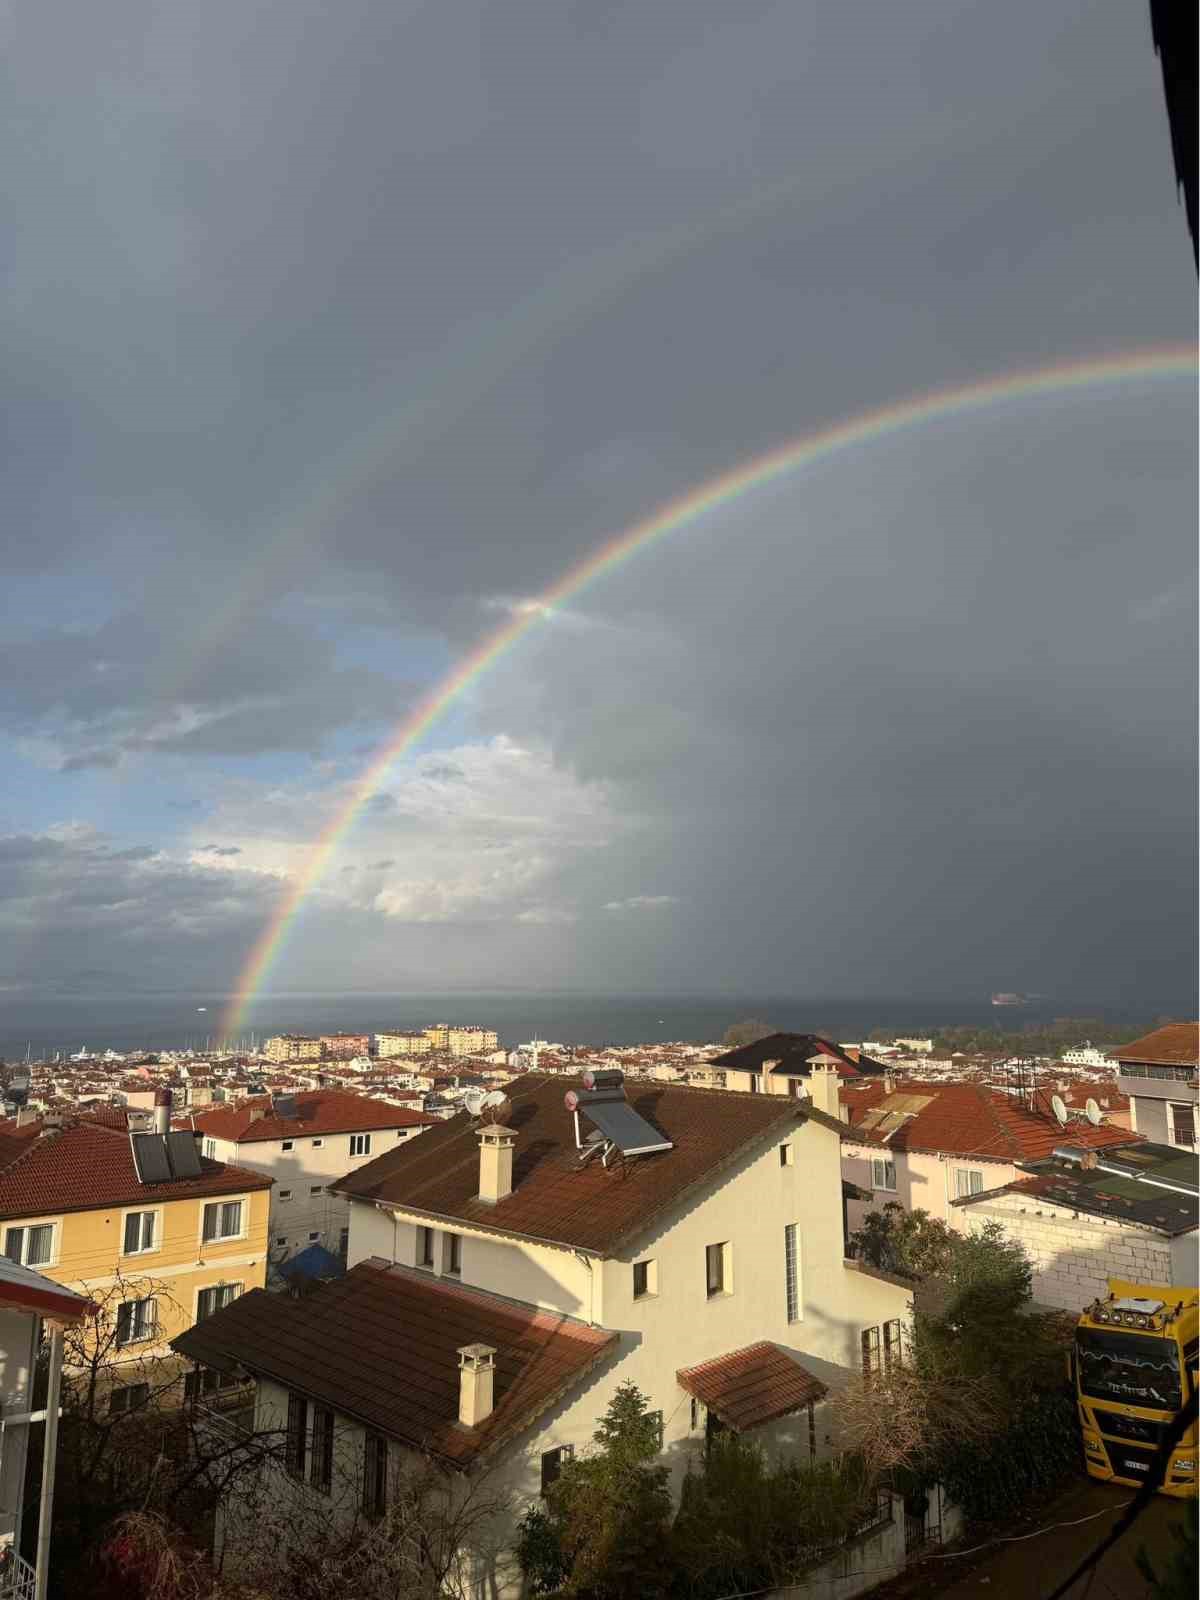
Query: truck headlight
{"points": [[1182, 1465]]}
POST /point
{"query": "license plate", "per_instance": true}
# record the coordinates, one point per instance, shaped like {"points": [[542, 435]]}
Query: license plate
{"points": [[1136, 1466]]}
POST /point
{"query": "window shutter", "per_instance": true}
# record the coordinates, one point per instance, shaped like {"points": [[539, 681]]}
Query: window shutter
{"points": [[211, 1214], [124, 1321], [133, 1232], [14, 1241], [297, 1421]]}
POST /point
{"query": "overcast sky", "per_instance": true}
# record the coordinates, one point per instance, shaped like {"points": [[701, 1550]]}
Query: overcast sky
{"points": [[331, 333]]}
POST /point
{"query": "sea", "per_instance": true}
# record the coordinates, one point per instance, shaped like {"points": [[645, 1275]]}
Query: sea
{"points": [[179, 1021]]}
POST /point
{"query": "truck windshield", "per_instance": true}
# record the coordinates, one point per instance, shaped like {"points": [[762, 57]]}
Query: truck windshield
{"points": [[1137, 1368]]}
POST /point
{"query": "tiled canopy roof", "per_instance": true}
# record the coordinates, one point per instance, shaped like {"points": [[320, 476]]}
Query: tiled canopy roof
{"points": [[554, 1198], [963, 1119], [751, 1387], [23, 1289], [88, 1167], [319, 1111], [1176, 1045], [381, 1345], [791, 1053]]}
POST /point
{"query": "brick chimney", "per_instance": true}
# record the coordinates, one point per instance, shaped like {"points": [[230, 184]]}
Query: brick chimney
{"points": [[823, 1084], [162, 1111], [476, 1383], [495, 1162]]}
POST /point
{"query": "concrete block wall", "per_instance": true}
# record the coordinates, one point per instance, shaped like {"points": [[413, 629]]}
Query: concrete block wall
{"points": [[1073, 1256]]}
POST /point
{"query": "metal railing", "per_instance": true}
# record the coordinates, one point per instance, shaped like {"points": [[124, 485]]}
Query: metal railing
{"points": [[18, 1580]]}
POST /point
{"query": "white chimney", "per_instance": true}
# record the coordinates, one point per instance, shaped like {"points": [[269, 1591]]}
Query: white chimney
{"points": [[495, 1162], [823, 1084], [476, 1383], [162, 1111]]}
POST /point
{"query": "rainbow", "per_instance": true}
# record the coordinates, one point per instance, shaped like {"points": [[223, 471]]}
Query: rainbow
{"points": [[912, 411]]}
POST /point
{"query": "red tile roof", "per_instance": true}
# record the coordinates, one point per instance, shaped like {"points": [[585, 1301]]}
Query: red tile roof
{"points": [[554, 1198], [381, 1345], [964, 1119], [87, 1167], [753, 1386], [320, 1111], [1176, 1045]]}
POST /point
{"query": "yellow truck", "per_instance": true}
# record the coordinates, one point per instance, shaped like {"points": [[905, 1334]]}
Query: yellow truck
{"points": [[1134, 1367]]}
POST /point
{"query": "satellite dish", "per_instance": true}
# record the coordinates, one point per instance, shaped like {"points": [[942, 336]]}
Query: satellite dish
{"points": [[496, 1108], [1092, 1112], [473, 1100], [1058, 1107]]}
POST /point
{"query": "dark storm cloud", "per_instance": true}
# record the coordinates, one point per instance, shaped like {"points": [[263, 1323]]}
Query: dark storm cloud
{"points": [[327, 329]]}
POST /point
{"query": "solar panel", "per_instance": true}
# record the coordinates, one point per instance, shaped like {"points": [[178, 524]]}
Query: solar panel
{"points": [[631, 1133], [285, 1106], [183, 1155], [150, 1158]]}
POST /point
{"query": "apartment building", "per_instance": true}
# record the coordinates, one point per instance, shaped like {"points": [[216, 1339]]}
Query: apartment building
{"points": [[139, 1221], [402, 1043], [302, 1143], [471, 1041], [286, 1047], [1160, 1073], [344, 1046], [925, 1145], [438, 1036], [686, 1240]]}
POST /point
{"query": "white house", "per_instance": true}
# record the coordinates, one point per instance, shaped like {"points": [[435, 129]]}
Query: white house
{"points": [[305, 1141], [505, 1278]]}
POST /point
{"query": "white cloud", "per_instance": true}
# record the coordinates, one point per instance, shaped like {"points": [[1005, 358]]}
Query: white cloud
{"points": [[642, 902]]}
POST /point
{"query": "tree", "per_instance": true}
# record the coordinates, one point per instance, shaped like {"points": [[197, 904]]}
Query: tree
{"points": [[749, 1032], [604, 1534]]}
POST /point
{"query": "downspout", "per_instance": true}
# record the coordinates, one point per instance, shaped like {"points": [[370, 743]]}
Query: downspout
{"points": [[49, 1461]]}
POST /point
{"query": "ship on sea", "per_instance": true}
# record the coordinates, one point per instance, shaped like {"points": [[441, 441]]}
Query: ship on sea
{"points": [[1008, 999]]}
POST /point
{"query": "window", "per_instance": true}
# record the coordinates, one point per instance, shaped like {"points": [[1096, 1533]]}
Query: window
{"points": [[786, 1155], [209, 1149], [321, 1471], [553, 1461], [697, 1413], [210, 1300], [281, 1239], [313, 1237], [297, 1431], [375, 1473], [424, 1247], [317, 1143], [344, 1243], [139, 1232], [791, 1274], [223, 1220], [137, 1320], [31, 1247], [452, 1253], [883, 1173], [288, 1144], [967, 1181], [127, 1397], [893, 1349], [1182, 1122], [870, 1350], [317, 1188], [655, 1419], [284, 1194], [360, 1144], [204, 1380], [715, 1275], [645, 1279]]}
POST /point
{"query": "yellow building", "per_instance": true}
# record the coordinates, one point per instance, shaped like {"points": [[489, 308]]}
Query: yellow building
{"points": [[292, 1047], [470, 1041], [154, 1234], [402, 1043], [439, 1035]]}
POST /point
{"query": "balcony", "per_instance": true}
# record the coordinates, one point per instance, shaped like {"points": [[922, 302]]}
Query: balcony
{"points": [[18, 1580]]}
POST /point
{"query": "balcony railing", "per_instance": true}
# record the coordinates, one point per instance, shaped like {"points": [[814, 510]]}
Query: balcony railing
{"points": [[1142, 1069], [18, 1580]]}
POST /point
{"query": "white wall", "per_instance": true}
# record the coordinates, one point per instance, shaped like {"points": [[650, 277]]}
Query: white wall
{"points": [[18, 1345], [924, 1181]]}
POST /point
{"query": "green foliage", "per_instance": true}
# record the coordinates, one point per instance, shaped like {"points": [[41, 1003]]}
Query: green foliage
{"points": [[746, 1524], [911, 1243], [1179, 1576], [1025, 1462], [749, 1032], [604, 1533]]}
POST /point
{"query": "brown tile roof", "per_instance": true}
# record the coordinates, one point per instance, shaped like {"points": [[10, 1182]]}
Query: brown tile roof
{"points": [[963, 1119], [556, 1200], [320, 1111], [792, 1052], [381, 1345], [753, 1386], [87, 1167], [1176, 1045]]}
